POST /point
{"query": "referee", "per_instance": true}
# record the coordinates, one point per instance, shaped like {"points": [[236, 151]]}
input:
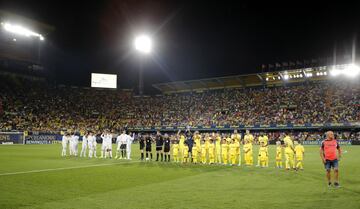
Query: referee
{"points": [[142, 145], [330, 158], [159, 145], [190, 142], [167, 142], [148, 142]]}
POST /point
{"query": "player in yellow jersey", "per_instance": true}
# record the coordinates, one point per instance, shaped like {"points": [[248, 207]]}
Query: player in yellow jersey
{"points": [[218, 148], [207, 142], [197, 140], [233, 151], [299, 154], [260, 140], [195, 153], [263, 139], [203, 152], [248, 152], [211, 152], [185, 153], [228, 141], [224, 151], [249, 137], [181, 139], [237, 138], [279, 154], [289, 152], [263, 155], [239, 153], [266, 140], [266, 143], [175, 150]]}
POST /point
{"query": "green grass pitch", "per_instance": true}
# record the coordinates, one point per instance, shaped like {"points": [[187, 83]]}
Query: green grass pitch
{"points": [[81, 183]]}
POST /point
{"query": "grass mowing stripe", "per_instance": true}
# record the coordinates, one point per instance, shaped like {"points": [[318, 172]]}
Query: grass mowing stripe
{"points": [[66, 168]]}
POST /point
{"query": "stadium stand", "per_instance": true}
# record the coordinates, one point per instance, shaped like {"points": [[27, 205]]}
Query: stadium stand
{"points": [[35, 105]]}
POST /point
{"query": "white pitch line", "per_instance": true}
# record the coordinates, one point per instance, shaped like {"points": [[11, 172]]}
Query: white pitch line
{"points": [[66, 168]]}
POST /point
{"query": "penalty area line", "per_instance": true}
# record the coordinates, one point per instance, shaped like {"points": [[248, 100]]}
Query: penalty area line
{"points": [[65, 168]]}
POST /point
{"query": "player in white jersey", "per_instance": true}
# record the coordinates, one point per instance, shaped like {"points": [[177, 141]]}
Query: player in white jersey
{"points": [[84, 145], [65, 141], [74, 145], [121, 145], [92, 145], [129, 141], [71, 145], [106, 144]]}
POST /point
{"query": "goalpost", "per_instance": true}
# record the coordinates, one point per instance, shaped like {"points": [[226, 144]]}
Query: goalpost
{"points": [[12, 138]]}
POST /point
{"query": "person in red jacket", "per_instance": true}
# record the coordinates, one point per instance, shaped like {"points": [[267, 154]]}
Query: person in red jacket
{"points": [[330, 154]]}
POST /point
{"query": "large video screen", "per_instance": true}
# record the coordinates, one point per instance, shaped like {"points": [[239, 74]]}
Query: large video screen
{"points": [[99, 80]]}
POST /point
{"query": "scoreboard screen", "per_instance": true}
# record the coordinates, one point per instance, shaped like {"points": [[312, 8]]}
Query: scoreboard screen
{"points": [[99, 80]]}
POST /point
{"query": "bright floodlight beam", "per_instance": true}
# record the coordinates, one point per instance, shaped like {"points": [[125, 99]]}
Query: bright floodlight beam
{"points": [[20, 30], [351, 70], [143, 44]]}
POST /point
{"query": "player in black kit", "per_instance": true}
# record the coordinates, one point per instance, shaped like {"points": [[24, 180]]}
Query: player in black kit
{"points": [[142, 145], [159, 145], [167, 147], [148, 141]]}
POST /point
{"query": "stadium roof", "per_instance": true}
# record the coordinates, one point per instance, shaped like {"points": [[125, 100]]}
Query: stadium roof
{"points": [[248, 80]]}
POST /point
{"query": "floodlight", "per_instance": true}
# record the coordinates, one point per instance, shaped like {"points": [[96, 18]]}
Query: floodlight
{"points": [[335, 72], [20, 30], [143, 44], [267, 79], [351, 70], [286, 77]]}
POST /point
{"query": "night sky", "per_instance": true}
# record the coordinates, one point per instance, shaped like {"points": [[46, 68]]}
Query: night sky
{"points": [[192, 39]]}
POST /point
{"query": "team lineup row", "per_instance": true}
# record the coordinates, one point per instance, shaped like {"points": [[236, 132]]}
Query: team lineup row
{"points": [[190, 147]]}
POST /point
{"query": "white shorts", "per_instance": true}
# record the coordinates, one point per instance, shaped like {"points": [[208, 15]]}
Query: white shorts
{"points": [[84, 145], [64, 144], [106, 146]]}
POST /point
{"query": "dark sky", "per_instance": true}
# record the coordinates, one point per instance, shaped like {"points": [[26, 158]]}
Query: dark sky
{"points": [[193, 39]]}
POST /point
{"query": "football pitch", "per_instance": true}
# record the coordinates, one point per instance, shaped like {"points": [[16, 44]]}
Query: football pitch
{"points": [[35, 176]]}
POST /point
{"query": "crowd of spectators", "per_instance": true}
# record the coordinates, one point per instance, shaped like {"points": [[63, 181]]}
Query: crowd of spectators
{"points": [[38, 106]]}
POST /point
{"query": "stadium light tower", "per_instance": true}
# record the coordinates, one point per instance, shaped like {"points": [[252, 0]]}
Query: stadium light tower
{"points": [[143, 45]]}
